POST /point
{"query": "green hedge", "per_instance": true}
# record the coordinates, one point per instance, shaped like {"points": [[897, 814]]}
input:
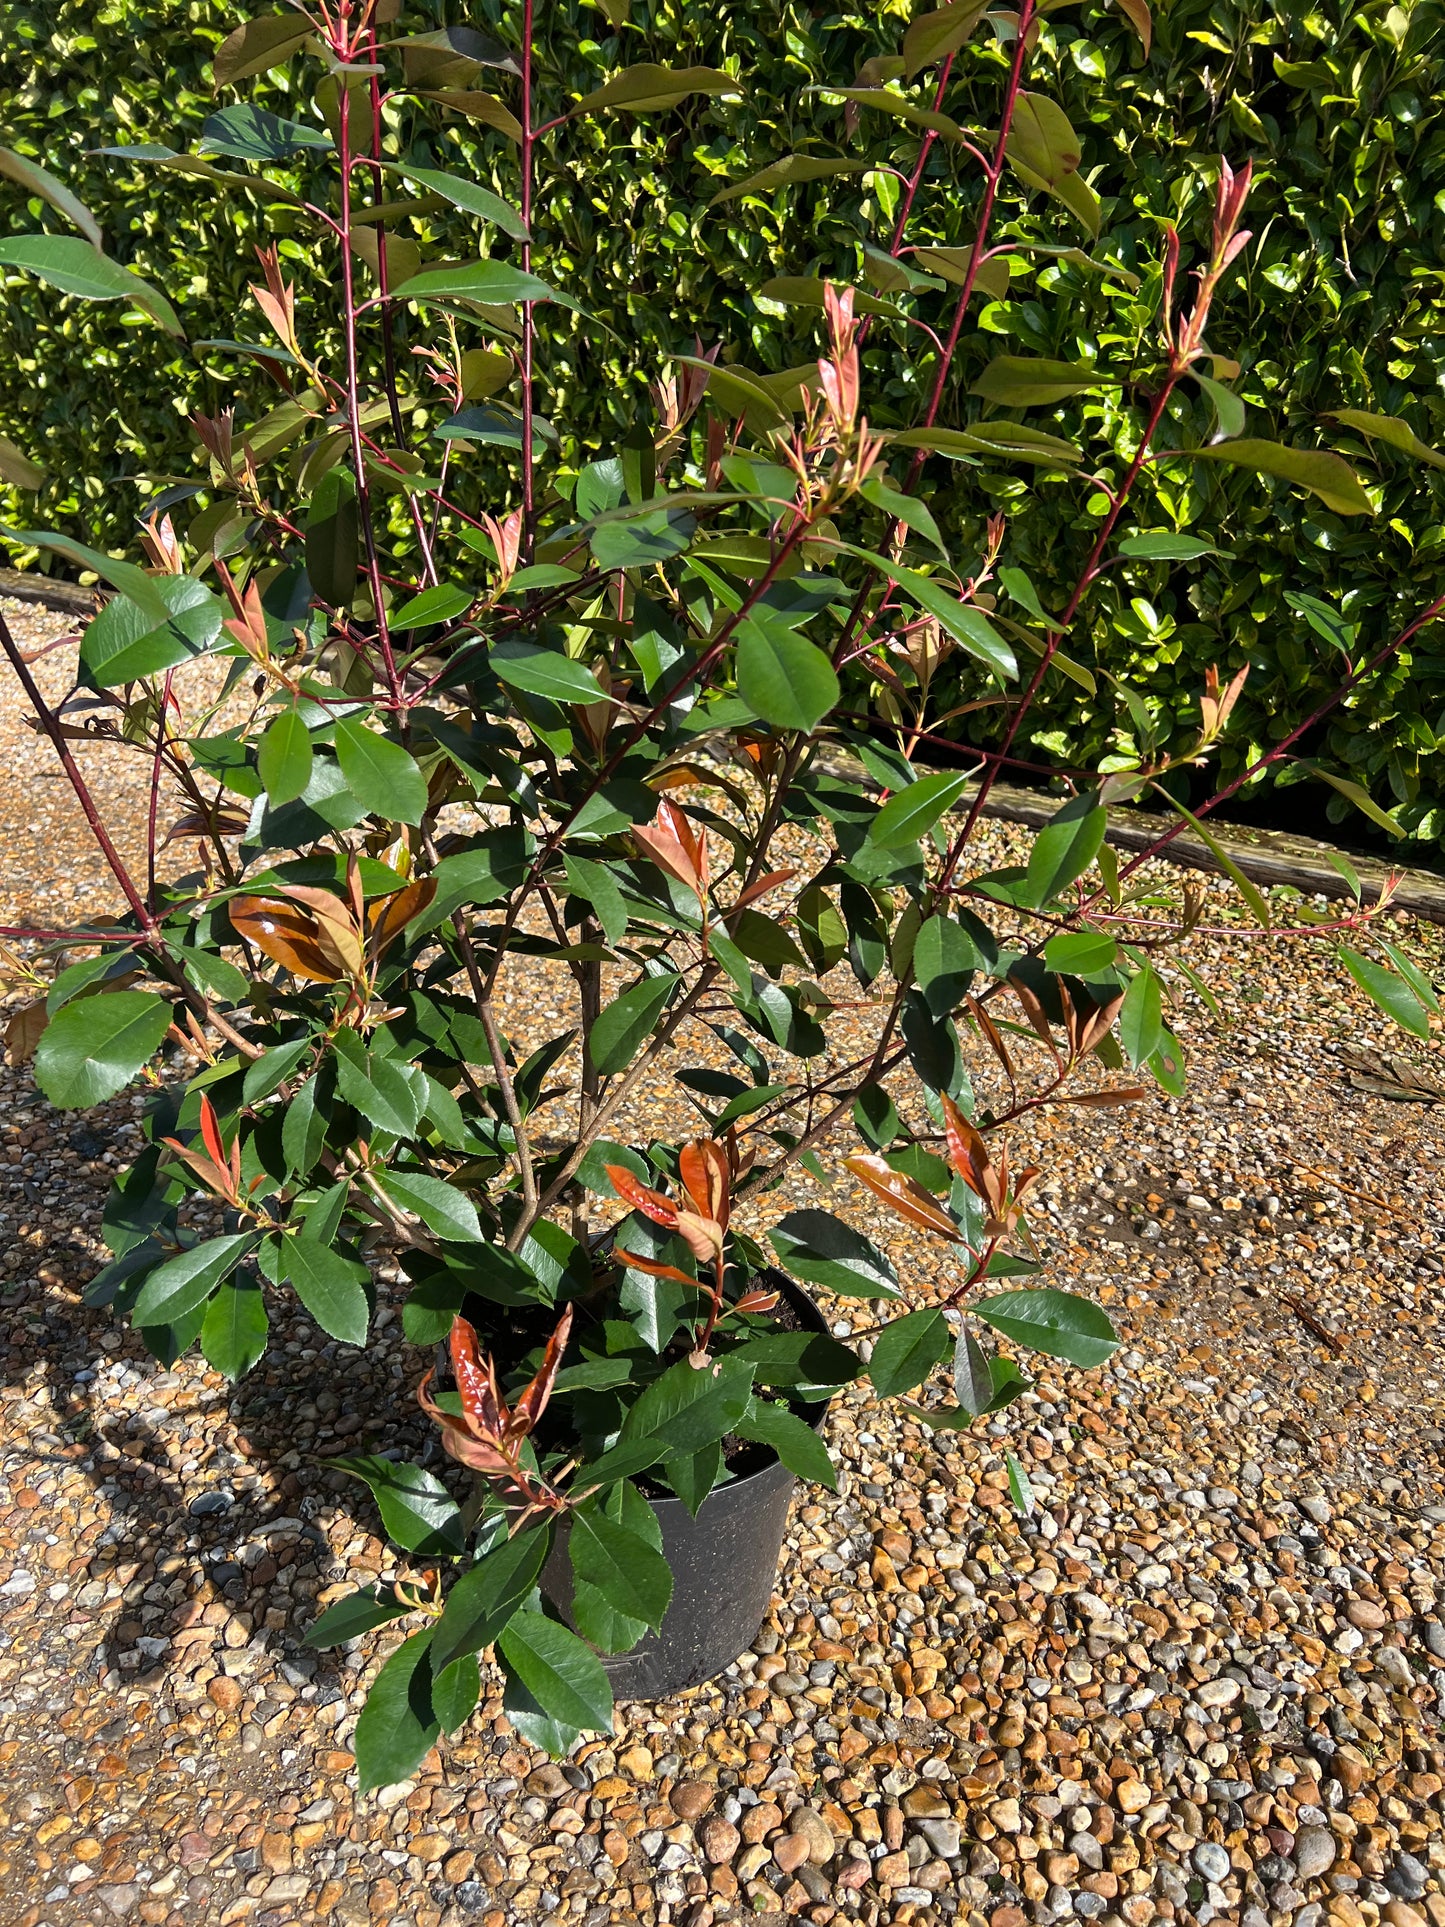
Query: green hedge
{"points": [[1337, 303]]}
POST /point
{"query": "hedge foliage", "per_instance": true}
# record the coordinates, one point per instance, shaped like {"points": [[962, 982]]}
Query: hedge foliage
{"points": [[1338, 303]]}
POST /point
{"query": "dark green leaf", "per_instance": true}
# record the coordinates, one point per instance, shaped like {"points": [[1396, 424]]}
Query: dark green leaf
{"points": [[398, 1725], [1388, 989], [235, 1328], [332, 1288], [177, 1287], [822, 1249], [333, 532], [782, 677], [356, 1615], [1165, 547], [632, 1576], [907, 1350], [972, 1381], [561, 1675], [544, 672], [1141, 1016], [465, 194], [623, 1024], [793, 1439], [912, 813], [1024, 381], [688, 1408], [441, 1207], [76, 268], [1065, 847], [416, 1509], [1059, 1323], [484, 1599], [283, 757]]}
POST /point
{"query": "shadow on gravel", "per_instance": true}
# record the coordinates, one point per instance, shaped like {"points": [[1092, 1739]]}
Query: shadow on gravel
{"points": [[180, 1543]]}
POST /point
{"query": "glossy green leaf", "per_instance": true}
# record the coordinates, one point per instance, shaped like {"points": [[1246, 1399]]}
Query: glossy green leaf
{"points": [[782, 677], [1393, 430], [144, 590], [381, 775], [333, 538], [912, 813], [484, 1599], [906, 1351], [1081, 953], [561, 1675], [331, 1287], [187, 1280], [687, 1408], [543, 672], [76, 268], [442, 1208], [1029, 381], [1165, 546], [416, 1509], [933, 36], [631, 1575], [1141, 1016], [398, 1726], [1388, 989], [623, 1024], [467, 195], [235, 1328], [767, 1422], [1059, 1323], [816, 1246], [93, 1047], [1065, 847], [258, 45], [283, 757], [356, 1615]]}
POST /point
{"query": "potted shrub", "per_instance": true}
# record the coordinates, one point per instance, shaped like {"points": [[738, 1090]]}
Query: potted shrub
{"points": [[480, 718]]}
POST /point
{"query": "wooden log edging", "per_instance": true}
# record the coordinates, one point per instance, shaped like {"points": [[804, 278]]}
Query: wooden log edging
{"points": [[51, 591], [1265, 856]]}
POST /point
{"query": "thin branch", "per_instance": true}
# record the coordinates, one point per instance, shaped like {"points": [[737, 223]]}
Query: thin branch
{"points": [[51, 725]]}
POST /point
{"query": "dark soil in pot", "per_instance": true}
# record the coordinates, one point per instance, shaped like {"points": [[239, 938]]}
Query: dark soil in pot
{"points": [[723, 1563]]}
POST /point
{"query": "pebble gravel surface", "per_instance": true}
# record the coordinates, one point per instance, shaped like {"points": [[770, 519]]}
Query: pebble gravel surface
{"points": [[1201, 1681]]}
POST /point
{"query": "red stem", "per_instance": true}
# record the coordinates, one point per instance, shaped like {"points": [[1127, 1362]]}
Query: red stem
{"points": [[1333, 701], [926, 148], [353, 390], [156, 764], [528, 325], [1086, 578], [985, 216], [51, 726], [992, 177]]}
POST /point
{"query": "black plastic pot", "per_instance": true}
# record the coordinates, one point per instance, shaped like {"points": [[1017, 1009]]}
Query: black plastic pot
{"points": [[723, 1565]]}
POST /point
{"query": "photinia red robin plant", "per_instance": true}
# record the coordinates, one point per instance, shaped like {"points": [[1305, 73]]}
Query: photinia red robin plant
{"points": [[481, 713]]}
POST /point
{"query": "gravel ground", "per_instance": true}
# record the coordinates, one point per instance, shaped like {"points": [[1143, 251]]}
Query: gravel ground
{"points": [[1202, 1682]]}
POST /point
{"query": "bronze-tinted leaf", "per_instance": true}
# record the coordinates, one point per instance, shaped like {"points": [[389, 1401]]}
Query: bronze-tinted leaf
{"points": [[389, 917], [23, 1032], [283, 933], [903, 1194]]}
